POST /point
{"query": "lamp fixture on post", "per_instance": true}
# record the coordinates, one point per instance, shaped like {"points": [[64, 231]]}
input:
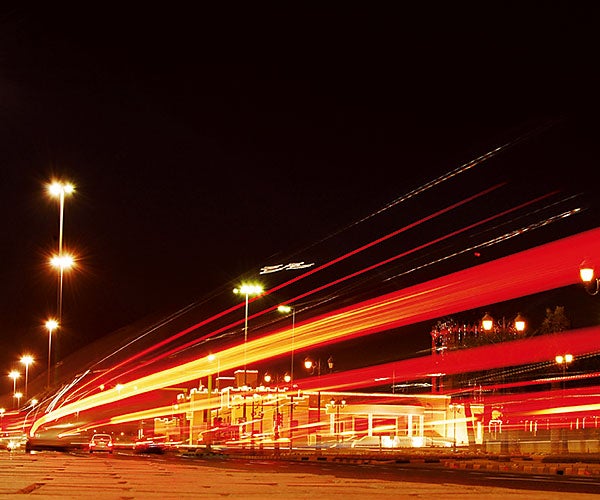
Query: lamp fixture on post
{"points": [[285, 309], [564, 360], [247, 290], [14, 374], [277, 416], [26, 360], [517, 326], [587, 273], [311, 366], [61, 261], [337, 404], [51, 325]]}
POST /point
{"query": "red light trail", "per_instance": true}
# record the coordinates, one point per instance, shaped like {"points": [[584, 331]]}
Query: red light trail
{"points": [[548, 266]]}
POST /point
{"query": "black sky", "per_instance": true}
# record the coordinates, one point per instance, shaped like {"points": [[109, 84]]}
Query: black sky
{"points": [[206, 142]]}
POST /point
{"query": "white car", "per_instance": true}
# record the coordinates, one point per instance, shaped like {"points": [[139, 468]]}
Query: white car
{"points": [[101, 442]]}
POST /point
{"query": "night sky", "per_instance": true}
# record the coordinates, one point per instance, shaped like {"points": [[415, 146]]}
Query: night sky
{"points": [[208, 142]]}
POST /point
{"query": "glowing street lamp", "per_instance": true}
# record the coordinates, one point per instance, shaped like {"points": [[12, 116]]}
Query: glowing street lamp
{"points": [[337, 405], [14, 374], [285, 309], [26, 360], [51, 325], [59, 189], [278, 417], [311, 366], [18, 396], [564, 360], [517, 326], [247, 290], [587, 274], [63, 262]]}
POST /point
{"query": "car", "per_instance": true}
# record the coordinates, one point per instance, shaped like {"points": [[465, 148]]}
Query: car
{"points": [[101, 442], [150, 445]]}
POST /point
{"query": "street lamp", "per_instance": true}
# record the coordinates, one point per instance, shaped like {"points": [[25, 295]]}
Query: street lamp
{"points": [[517, 326], [14, 374], [337, 404], [247, 290], [563, 360], [62, 262], [285, 309], [58, 190], [587, 274], [311, 366], [51, 325], [26, 360], [277, 417], [18, 396]]}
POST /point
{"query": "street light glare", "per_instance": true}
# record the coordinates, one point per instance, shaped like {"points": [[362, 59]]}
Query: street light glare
{"points": [[14, 375], [27, 360], [64, 261], [284, 309], [248, 289], [57, 188], [51, 325]]}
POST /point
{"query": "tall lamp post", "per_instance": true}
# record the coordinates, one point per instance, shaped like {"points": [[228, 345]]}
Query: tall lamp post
{"points": [[337, 404], [26, 360], [563, 360], [277, 417], [51, 325], [311, 366], [61, 261], [285, 309], [247, 291], [14, 374]]}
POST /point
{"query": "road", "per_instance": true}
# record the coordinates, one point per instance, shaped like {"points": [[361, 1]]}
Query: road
{"points": [[125, 476]]}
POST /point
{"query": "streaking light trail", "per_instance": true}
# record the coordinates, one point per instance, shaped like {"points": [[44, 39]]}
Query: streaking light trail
{"points": [[549, 266]]}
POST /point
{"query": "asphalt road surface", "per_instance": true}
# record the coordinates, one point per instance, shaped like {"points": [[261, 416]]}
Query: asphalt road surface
{"points": [[122, 476]]}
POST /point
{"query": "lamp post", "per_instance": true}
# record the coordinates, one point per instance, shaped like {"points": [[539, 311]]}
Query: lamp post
{"points": [[277, 417], [26, 360], [58, 190], [14, 374], [18, 396], [247, 291], [517, 326], [337, 404], [62, 262], [285, 309], [310, 365], [51, 325], [587, 274], [563, 360]]}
